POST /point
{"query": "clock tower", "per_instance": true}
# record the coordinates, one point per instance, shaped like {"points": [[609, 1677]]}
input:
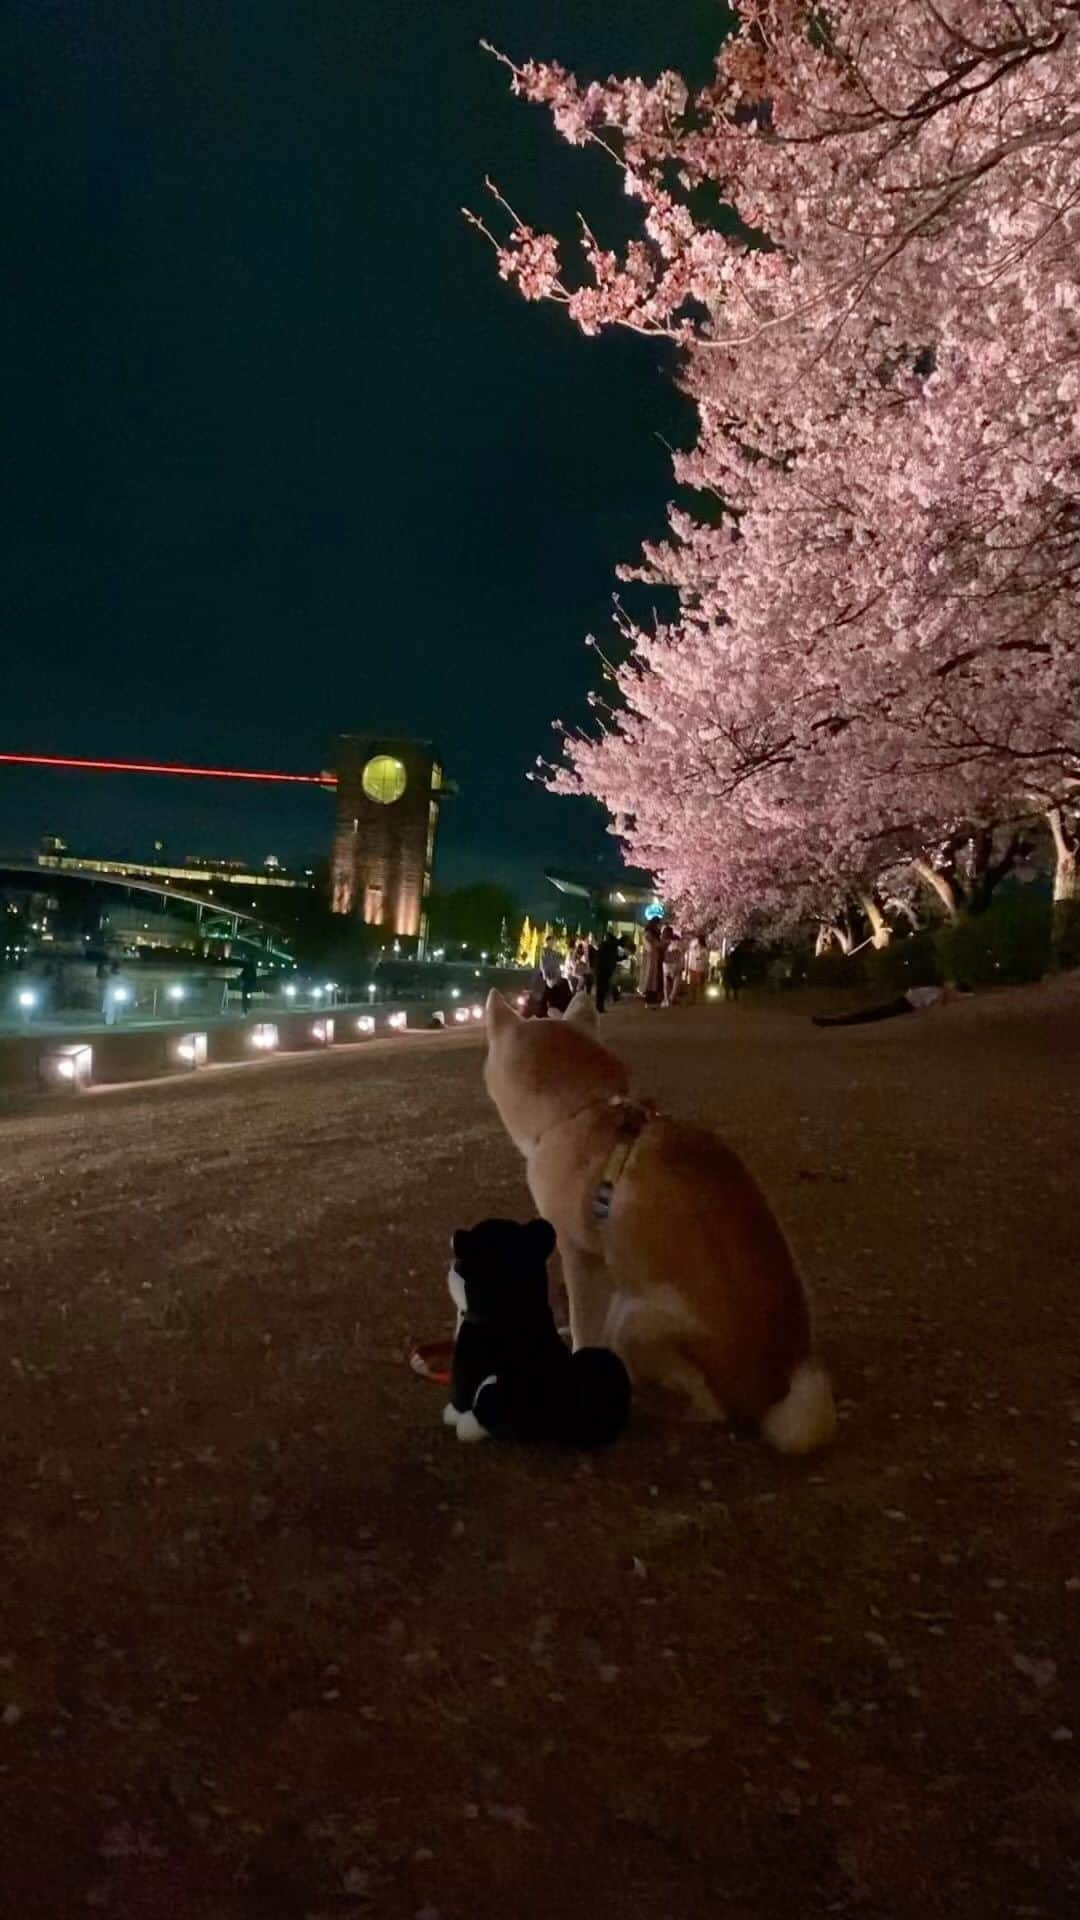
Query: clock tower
{"points": [[389, 793]]}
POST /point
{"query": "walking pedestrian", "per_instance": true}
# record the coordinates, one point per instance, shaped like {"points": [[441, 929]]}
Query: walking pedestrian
{"points": [[697, 968], [650, 965], [672, 960]]}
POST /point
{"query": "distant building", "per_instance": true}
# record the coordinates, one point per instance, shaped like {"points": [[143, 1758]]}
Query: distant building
{"points": [[623, 902], [196, 867], [389, 796]]}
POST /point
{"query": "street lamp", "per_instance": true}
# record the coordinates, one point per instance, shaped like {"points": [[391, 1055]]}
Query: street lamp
{"points": [[176, 991], [116, 998]]}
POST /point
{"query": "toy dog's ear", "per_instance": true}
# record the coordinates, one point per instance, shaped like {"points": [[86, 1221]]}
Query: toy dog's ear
{"points": [[459, 1240], [542, 1235]]}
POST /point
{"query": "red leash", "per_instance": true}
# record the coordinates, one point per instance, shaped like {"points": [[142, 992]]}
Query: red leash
{"points": [[432, 1361]]}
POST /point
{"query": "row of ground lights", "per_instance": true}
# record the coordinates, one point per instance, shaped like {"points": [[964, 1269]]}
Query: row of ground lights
{"points": [[73, 1066]]}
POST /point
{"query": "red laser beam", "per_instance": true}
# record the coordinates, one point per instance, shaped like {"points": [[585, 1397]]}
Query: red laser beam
{"points": [[153, 766]]}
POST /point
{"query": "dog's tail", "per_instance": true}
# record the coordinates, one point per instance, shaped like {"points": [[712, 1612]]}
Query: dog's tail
{"points": [[805, 1418], [599, 1406]]}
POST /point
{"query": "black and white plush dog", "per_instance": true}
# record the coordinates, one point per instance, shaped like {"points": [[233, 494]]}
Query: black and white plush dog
{"points": [[513, 1378]]}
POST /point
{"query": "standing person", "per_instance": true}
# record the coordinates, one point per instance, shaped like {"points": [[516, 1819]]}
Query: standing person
{"points": [[733, 974], [248, 980], [672, 960], [108, 1001], [557, 991], [607, 959], [580, 967], [536, 1004], [650, 968], [550, 966], [697, 968]]}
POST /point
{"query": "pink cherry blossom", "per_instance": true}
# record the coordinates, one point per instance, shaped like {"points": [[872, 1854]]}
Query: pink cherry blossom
{"points": [[870, 658]]}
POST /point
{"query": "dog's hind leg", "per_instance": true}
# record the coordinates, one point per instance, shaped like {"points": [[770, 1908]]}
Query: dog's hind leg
{"points": [[682, 1377], [651, 1346]]}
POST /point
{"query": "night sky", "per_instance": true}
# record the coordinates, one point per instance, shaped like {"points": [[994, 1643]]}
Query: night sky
{"points": [[282, 456]]}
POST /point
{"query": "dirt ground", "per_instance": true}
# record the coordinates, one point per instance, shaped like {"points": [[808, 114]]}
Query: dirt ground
{"points": [[273, 1646]]}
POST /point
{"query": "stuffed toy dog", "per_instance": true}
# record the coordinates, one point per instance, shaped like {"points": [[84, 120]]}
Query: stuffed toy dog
{"points": [[512, 1376]]}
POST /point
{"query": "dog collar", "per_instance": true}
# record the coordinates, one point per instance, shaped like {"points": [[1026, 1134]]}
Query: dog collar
{"points": [[633, 1117]]}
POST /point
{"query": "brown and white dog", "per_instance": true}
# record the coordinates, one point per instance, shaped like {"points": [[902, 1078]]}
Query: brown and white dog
{"points": [[670, 1251]]}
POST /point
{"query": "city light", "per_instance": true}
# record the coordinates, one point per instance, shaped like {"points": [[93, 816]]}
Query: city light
{"points": [[119, 996], [461, 1015], [67, 1067], [322, 1032], [27, 999], [712, 993], [264, 1036], [177, 992], [365, 1023], [397, 1022], [316, 993], [190, 1050], [290, 992], [478, 1013], [455, 993]]}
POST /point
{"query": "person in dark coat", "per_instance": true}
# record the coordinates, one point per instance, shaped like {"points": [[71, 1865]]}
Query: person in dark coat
{"points": [[608, 955]]}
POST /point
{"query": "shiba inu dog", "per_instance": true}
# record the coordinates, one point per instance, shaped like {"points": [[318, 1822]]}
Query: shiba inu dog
{"points": [[671, 1254]]}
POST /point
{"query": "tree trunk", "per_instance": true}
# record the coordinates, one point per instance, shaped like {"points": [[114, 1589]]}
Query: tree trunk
{"points": [[941, 885], [880, 930], [989, 873], [1066, 926], [829, 933]]}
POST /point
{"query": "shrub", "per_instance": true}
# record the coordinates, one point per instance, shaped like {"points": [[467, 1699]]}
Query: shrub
{"points": [[835, 969], [905, 962], [1009, 942]]}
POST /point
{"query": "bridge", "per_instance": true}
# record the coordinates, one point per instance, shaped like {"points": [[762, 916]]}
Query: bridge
{"points": [[214, 921]]}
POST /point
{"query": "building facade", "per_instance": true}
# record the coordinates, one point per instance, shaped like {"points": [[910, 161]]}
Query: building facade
{"points": [[389, 794]]}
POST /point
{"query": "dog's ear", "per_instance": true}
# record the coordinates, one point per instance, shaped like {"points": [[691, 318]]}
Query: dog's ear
{"points": [[542, 1236], [497, 1014], [582, 1013], [459, 1240]]}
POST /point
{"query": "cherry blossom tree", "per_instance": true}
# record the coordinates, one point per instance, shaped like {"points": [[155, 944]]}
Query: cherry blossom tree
{"points": [[864, 235]]}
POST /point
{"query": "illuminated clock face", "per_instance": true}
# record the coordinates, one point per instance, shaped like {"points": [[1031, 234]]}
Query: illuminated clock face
{"points": [[384, 779]]}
